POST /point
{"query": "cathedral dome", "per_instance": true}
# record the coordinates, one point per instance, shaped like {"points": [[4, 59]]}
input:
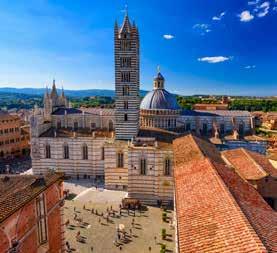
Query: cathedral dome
{"points": [[159, 99]]}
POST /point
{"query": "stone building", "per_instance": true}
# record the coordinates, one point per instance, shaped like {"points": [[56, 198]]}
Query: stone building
{"points": [[257, 170], [31, 215], [14, 138], [129, 147]]}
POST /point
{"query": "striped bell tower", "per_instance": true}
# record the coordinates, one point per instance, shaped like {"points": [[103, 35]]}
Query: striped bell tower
{"points": [[127, 83]]}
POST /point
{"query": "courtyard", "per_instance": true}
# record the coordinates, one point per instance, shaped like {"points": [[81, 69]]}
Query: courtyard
{"points": [[89, 227]]}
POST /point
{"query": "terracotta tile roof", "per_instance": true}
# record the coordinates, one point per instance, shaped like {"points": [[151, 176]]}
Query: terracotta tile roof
{"points": [[217, 211], [17, 190], [264, 162], [244, 164], [250, 165]]}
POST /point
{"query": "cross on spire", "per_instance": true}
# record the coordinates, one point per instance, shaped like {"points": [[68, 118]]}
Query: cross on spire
{"points": [[158, 69], [126, 9]]}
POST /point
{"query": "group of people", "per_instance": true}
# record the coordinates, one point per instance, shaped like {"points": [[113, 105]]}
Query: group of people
{"points": [[121, 235]]}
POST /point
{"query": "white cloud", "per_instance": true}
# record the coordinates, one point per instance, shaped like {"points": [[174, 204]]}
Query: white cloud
{"points": [[263, 9], [253, 2], [168, 36], [218, 18], [246, 16], [250, 67], [214, 59], [202, 28]]}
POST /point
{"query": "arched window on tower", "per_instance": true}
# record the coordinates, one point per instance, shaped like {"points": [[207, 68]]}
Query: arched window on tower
{"points": [[167, 167], [65, 151], [120, 160], [102, 153], [47, 151], [126, 90], [125, 117], [85, 152], [126, 105], [143, 166]]}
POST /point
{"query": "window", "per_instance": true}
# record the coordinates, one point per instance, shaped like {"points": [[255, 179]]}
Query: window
{"points": [[41, 217], [65, 152], [126, 90], [110, 125], [125, 117], [125, 62], [120, 160], [125, 45], [103, 153], [59, 124], [76, 125], [47, 151], [241, 129], [143, 166], [222, 129], [167, 167], [93, 125], [205, 128], [126, 106], [85, 152], [125, 77]]}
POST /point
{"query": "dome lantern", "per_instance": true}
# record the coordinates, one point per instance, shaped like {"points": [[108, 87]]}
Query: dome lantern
{"points": [[159, 80]]}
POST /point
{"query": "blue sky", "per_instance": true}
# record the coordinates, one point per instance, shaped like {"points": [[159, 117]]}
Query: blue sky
{"points": [[203, 47]]}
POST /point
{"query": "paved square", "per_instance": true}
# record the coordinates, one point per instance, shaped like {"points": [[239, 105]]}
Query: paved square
{"points": [[99, 236]]}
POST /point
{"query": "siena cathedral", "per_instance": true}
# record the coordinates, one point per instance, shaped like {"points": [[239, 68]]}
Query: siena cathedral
{"points": [[129, 147]]}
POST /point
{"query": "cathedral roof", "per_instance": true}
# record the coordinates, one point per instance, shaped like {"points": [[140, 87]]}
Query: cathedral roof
{"points": [[159, 99], [223, 113], [62, 111]]}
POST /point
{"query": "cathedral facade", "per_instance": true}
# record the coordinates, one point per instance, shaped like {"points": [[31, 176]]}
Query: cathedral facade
{"points": [[129, 147]]}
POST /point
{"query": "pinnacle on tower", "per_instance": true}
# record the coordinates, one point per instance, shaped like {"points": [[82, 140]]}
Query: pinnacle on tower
{"points": [[54, 89]]}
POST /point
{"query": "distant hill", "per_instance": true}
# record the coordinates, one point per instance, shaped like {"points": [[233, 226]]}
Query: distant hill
{"points": [[69, 93]]}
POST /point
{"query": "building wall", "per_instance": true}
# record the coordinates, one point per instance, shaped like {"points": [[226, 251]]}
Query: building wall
{"points": [[75, 165], [84, 121], [196, 123], [154, 185], [22, 225], [116, 178], [13, 140]]}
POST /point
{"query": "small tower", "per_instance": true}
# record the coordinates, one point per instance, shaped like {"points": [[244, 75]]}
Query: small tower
{"points": [[127, 83], [159, 81]]}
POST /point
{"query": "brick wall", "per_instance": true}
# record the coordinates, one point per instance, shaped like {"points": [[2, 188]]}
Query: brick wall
{"points": [[22, 225]]}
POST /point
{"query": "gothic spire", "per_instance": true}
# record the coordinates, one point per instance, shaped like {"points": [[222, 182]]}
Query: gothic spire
{"points": [[63, 92], [126, 26], [54, 92]]}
